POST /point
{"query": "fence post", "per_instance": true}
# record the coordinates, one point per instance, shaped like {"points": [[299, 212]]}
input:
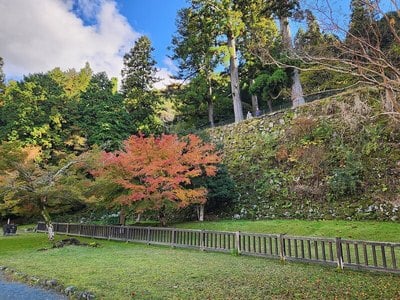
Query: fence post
{"points": [[173, 238], [108, 232], [282, 252], [202, 240], [148, 235], [237, 242], [67, 227], [339, 253], [80, 228], [126, 233]]}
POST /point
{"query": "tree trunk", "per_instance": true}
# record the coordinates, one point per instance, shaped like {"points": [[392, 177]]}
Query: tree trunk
{"points": [[200, 212], [297, 90], [122, 217], [254, 103], [138, 217], [47, 220], [234, 75], [269, 102], [210, 104], [285, 32], [161, 216]]}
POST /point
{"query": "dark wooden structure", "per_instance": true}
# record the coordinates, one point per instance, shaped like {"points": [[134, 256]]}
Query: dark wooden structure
{"points": [[343, 253], [9, 229]]}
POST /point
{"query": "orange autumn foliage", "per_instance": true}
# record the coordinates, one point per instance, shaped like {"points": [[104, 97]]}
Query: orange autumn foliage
{"points": [[157, 171]]}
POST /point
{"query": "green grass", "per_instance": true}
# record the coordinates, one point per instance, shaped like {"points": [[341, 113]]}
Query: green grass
{"points": [[359, 230], [120, 270]]}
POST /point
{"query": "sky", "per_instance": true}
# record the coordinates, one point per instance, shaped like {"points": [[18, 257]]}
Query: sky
{"points": [[39, 35]]}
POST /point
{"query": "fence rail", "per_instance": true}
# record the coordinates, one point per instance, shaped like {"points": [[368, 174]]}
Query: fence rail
{"points": [[355, 254]]}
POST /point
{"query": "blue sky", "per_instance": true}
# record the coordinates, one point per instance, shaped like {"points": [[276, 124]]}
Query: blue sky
{"points": [[154, 18]]}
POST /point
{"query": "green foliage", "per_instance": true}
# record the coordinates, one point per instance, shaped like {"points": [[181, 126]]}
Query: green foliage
{"points": [[331, 159], [139, 67], [269, 86], [142, 106], [361, 15], [273, 185], [33, 112], [282, 9], [104, 120], [30, 188], [72, 82], [221, 192], [138, 76], [315, 81], [64, 112], [314, 42], [345, 180], [193, 100]]}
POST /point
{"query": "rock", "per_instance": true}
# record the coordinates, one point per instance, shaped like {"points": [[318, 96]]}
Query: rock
{"points": [[51, 283], [85, 295], [34, 280], [282, 121], [69, 290], [3, 268], [69, 242], [394, 218]]}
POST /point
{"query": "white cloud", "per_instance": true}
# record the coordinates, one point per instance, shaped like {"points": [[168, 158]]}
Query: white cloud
{"points": [[166, 79], [170, 65], [165, 75], [36, 36]]}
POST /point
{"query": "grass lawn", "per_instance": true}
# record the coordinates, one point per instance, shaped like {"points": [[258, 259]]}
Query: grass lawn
{"points": [[119, 270], [362, 230]]}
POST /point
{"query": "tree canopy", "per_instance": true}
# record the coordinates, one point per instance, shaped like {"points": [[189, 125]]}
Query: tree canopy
{"points": [[157, 172]]}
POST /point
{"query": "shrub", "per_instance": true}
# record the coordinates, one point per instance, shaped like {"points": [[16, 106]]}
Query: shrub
{"points": [[346, 179]]}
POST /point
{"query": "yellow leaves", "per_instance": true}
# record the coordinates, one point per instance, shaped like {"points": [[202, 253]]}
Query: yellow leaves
{"points": [[76, 141], [189, 196], [56, 119], [233, 21], [39, 132]]}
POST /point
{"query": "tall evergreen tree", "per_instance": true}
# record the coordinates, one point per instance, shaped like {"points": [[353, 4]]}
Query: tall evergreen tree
{"points": [[222, 19], [284, 9], [192, 51], [138, 77], [360, 16], [260, 31], [139, 67]]}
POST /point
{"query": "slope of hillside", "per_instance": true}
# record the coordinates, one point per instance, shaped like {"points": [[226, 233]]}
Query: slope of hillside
{"points": [[334, 158]]}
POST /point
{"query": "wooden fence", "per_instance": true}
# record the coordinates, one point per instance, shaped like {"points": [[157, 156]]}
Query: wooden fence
{"points": [[343, 253]]}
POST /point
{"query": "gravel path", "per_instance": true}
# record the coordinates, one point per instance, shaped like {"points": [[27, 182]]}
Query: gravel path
{"points": [[19, 291]]}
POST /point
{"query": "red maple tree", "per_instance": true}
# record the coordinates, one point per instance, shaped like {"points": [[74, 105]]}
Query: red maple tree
{"points": [[157, 172]]}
